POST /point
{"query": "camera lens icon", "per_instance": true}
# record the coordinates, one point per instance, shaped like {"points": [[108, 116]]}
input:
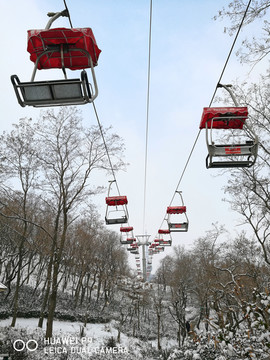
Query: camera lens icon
{"points": [[30, 345]]}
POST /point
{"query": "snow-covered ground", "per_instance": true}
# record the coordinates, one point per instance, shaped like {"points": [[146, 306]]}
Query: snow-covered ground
{"points": [[67, 339], [94, 331], [96, 334]]}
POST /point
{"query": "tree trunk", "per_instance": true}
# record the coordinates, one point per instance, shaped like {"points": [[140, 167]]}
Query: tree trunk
{"points": [[18, 280], [52, 300], [16, 295], [158, 332], [46, 295]]}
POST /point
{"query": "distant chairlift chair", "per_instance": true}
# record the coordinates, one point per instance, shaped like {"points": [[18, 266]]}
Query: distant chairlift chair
{"points": [[164, 237], [234, 154], [62, 48], [127, 237], [174, 224]]}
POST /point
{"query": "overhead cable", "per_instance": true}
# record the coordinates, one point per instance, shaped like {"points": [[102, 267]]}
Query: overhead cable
{"points": [[147, 116], [68, 13]]}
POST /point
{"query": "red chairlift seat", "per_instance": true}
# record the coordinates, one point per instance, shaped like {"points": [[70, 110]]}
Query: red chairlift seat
{"points": [[174, 224], [126, 229], [234, 154], [160, 248], [224, 117], [62, 48], [164, 231], [116, 200], [166, 243], [58, 47], [176, 210]]}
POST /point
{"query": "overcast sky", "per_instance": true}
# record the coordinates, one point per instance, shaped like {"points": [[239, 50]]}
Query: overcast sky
{"points": [[189, 50]]}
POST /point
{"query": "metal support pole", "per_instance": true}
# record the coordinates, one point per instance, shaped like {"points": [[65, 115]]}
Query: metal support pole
{"points": [[144, 262], [143, 240]]}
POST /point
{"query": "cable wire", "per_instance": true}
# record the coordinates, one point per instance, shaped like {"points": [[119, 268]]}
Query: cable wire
{"points": [[99, 124], [229, 55], [68, 13], [147, 116], [106, 147], [221, 75]]}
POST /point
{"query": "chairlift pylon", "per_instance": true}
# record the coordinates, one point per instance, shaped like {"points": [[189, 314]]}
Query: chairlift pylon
{"points": [[62, 48], [233, 153], [174, 224], [116, 210]]}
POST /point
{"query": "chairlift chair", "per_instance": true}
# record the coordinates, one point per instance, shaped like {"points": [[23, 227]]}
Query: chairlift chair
{"points": [[128, 241], [165, 242], [116, 210], [61, 48], [174, 224], [125, 235], [164, 236], [160, 248], [235, 153]]}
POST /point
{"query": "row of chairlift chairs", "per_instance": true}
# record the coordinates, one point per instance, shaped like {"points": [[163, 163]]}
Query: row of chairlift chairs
{"points": [[117, 213], [76, 49]]}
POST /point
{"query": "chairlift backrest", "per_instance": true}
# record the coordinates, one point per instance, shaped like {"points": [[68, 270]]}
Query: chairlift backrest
{"points": [[126, 228], [224, 117], [116, 200], [58, 47], [164, 231], [176, 209]]}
